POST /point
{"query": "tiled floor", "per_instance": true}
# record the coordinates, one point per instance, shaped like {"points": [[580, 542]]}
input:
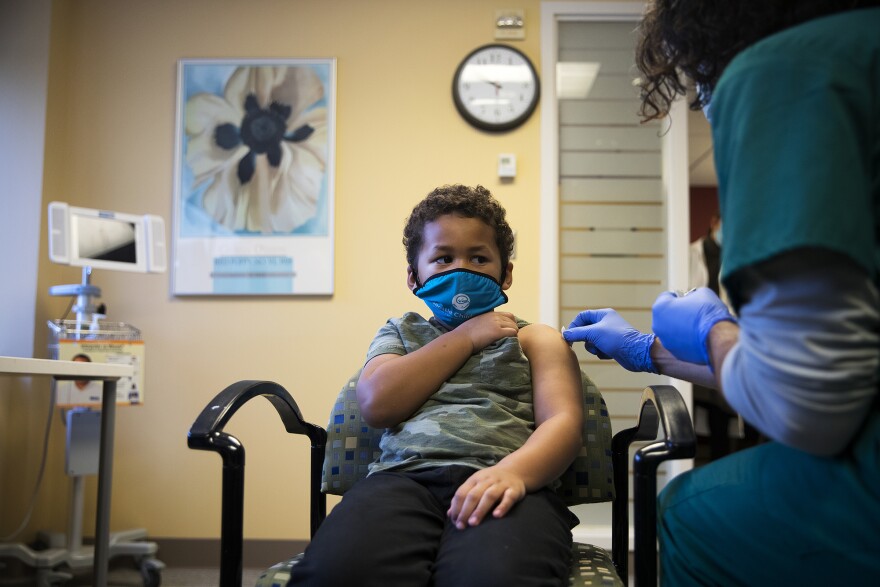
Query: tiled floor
{"points": [[204, 577], [123, 576]]}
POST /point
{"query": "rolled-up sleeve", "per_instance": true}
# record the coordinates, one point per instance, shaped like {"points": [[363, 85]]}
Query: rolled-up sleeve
{"points": [[805, 369]]}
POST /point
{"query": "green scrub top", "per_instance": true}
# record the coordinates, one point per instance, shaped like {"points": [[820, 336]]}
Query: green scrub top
{"points": [[810, 93], [773, 515]]}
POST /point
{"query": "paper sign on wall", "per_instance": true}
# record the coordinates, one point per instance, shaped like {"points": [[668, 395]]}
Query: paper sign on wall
{"points": [[129, 390]]}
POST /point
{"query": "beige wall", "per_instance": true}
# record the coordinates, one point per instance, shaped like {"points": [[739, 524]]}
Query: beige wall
{"points": [[110, 144]]}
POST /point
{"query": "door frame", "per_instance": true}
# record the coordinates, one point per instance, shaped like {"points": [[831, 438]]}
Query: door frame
{"points": [[676, 186]]}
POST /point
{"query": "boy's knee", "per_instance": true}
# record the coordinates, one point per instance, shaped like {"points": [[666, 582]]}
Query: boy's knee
{"points": [[341, 570], [508, 571]]}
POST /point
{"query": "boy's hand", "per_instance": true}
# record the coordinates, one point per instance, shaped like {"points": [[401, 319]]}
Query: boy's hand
{"points": [[486, 328], [479, 495]]}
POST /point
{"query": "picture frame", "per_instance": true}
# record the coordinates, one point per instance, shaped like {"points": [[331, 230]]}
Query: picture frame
{"points": [[254, 177]]}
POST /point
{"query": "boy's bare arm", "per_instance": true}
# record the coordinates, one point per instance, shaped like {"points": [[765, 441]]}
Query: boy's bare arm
{"points": [[559, 414], [392, 387]]}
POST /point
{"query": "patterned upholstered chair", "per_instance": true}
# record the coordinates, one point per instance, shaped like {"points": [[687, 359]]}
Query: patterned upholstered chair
{"points": [[341, 453]]}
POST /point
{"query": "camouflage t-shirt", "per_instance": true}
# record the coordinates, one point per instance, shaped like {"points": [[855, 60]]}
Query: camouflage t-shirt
{"points": [[480, 415]]}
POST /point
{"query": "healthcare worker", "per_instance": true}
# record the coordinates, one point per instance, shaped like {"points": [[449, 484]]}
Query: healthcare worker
{"points": [[792, 92]]}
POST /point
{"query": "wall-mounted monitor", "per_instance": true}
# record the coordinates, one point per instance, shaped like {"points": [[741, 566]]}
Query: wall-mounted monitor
{"points": [[106, 240]]}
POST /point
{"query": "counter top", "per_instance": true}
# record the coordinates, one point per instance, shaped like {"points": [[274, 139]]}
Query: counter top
{"points": [[26, 366]]}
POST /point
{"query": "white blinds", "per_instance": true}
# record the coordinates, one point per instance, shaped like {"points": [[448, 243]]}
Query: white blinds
{"points": [[619, 192], [611, 209]]}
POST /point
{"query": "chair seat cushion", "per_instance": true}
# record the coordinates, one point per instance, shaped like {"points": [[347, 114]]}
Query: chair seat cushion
{"points": [[590, 567], [278, 575]]}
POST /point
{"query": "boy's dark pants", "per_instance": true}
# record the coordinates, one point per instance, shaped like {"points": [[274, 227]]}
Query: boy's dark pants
{"points": [[392, 529]]}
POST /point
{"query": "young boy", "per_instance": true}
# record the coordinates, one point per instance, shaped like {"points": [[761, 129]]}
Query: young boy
{"points": [[483, 412]]}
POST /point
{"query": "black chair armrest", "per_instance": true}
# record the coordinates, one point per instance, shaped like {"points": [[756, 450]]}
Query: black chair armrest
{"points": [[207, 433], [661, 406]]}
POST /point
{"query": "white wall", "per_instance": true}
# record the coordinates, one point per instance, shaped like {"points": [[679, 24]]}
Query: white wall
{"points": [[24, 64]]}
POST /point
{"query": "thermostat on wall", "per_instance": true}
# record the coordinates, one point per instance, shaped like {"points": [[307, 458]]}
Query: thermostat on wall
{"points": [[506, 165]]}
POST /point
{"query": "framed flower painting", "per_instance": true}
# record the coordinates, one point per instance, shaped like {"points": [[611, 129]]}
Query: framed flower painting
{"points": [[254, 169]]}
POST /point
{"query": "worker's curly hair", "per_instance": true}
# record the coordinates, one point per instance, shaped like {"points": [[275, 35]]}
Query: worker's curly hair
{"points": [[469, 202], [698, 38]]}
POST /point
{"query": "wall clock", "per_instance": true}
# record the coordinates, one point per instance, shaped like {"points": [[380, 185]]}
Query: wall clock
{"points": [[496, 88]]}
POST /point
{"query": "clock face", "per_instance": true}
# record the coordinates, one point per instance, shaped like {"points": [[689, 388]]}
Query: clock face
{"points": [[496, 88]]}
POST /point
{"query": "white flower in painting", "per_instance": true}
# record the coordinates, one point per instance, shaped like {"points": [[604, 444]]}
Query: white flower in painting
{"points": [[260, 148]]}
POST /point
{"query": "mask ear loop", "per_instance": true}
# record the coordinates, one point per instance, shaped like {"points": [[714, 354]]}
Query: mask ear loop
{"points": [[415, 274]]}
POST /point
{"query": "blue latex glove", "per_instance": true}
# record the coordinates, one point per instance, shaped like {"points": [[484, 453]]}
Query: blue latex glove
{"points": [[683, 322], [608, 336]]}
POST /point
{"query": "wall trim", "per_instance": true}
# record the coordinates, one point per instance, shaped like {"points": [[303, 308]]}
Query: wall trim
{"points": [[205, 552]]}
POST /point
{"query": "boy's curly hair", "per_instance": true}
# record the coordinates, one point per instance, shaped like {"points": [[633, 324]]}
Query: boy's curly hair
{"points": [[469, 202], [699, 38]]}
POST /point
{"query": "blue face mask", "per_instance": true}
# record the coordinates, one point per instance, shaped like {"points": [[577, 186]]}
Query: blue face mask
{"points": [[458, 295], [707, 112], [706, 98]]}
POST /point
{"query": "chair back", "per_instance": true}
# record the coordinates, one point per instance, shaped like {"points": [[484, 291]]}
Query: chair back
{"points": [[352, 445]]}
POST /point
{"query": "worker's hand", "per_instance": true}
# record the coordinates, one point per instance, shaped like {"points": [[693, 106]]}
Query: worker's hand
{"points": [[493, 489], [608, 336], [683, 321]]}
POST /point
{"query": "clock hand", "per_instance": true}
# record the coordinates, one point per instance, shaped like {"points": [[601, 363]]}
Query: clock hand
{"points": [[495, 84]]}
